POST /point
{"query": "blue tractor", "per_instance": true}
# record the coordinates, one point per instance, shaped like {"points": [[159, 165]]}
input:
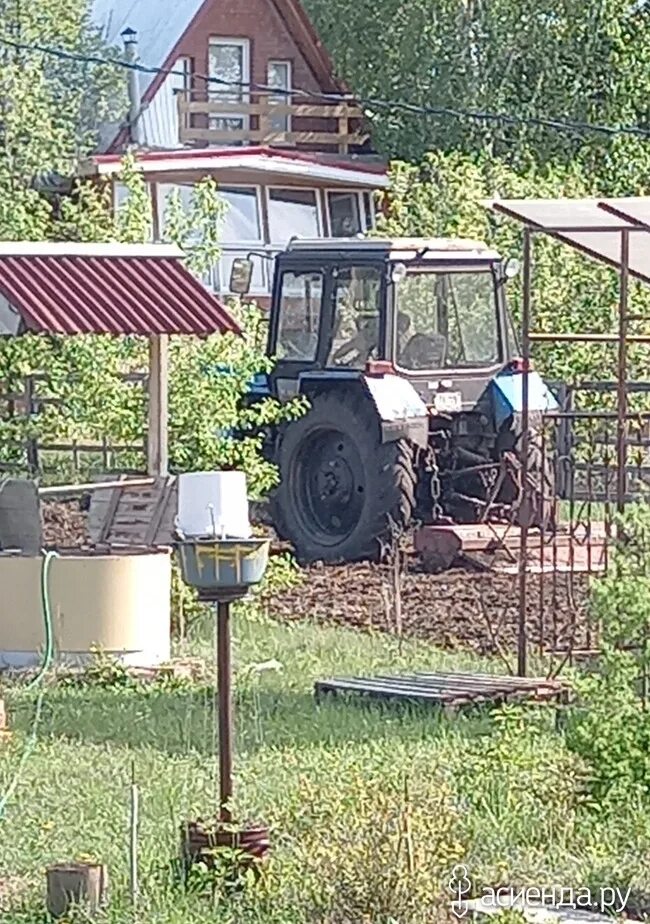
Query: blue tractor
{"points": [[408, 356]]}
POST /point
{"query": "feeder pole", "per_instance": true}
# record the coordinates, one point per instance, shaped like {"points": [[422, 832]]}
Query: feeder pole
{"points": [[224, 694]]}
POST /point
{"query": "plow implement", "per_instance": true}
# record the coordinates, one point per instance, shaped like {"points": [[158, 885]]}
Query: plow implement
{"points": [[499, 547]]}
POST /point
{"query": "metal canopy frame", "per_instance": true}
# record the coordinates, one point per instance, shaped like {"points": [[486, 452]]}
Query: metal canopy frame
{"points": [[622, 220]]}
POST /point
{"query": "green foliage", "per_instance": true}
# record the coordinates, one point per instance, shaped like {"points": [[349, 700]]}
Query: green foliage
{"points": [[610, 728], [391, 842], [49, 108], [570, 59]]}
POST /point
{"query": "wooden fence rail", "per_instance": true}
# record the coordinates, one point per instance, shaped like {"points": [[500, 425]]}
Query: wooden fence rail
{"points": [[37, 457], [343, 131]]}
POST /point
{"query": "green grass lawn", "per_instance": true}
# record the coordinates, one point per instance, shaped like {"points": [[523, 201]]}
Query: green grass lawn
{"points": [[370, 807]]}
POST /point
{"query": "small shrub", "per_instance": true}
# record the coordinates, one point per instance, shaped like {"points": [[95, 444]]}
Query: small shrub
{"points": [[610, 726], [383, 851]]}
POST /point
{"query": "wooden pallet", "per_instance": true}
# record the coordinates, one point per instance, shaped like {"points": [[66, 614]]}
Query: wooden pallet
{"points": [[446, 689], [137, 516]]}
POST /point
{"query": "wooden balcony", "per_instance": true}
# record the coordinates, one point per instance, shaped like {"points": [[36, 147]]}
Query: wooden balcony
{"points": [[335, 127]]}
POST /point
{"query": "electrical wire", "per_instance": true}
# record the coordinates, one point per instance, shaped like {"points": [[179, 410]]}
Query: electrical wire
{"points": [[556, 124], [48, 655]]}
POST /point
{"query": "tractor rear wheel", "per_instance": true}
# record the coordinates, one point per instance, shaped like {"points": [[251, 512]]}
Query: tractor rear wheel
{"points": [[341, 488]]}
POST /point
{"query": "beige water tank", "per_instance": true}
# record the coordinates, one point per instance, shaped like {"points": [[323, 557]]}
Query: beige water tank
{"points": [[118, 602]]}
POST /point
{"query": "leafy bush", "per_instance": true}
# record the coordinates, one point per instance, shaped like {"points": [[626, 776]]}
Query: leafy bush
{"points": [[610, 727], [389, 846]]}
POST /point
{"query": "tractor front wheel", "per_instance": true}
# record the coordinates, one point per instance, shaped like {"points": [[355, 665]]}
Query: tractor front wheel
{"points": [[341, 489]]}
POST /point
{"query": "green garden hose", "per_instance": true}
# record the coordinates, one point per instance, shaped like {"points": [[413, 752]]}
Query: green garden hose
{"points": [[48, 655], [48, 558]]}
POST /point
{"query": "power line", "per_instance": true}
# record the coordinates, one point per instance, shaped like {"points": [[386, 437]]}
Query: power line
{"points": [[555, 124]]}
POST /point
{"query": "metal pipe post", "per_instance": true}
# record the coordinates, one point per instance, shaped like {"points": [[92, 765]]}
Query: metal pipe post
{"points": [[621, 378], [525, 437], [224, 695]]}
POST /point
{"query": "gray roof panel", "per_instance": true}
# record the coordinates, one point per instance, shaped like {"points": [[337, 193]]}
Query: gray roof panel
{"points": [[159, 26]]}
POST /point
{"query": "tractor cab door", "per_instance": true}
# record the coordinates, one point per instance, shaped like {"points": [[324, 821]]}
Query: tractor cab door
{"points": [[356, 329], [327, 319], [297, 320]]}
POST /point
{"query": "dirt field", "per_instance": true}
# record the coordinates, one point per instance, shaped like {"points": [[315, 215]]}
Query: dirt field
{"points": [[64, 524], [461, 608]]}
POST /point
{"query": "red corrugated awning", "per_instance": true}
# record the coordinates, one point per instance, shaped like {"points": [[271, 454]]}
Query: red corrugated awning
{"points": [[61, 288]]}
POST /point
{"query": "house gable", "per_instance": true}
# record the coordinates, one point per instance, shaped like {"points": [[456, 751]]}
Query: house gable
{"points": [[169, 29]]}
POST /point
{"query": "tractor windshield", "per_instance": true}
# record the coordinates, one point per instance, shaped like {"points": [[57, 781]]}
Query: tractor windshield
{"points": [[446, 319]]}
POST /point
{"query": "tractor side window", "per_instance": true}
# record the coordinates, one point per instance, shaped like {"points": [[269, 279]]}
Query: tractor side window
{"points": [[355, 336], [300, 307]]}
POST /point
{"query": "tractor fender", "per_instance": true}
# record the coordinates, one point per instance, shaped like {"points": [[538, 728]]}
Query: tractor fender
{"points": [[507, 395], [402, 413]]}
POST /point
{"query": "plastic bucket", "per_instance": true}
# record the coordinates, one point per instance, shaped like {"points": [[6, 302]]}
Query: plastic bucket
{"points": [[213, 504]]}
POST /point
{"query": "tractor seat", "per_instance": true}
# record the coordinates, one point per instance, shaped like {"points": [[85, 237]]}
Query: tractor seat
{"points": [[425, 351]]}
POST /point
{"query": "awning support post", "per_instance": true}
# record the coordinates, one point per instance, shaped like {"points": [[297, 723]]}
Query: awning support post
{"points": [[158, 414]]}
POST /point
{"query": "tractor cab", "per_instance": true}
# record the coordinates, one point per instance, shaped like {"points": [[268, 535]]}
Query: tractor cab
{"points": [[425, 310]]}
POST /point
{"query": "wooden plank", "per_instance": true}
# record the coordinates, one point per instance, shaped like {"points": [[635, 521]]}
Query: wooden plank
{"points": [[109, 515], [306, 110], [158, 413], [369, 688], [298, 110], [325, 138], [219, 136], [159, 513], [85, 487]]}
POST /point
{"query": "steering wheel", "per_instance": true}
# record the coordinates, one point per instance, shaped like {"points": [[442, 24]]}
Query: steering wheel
{"points": [[425, 352]]}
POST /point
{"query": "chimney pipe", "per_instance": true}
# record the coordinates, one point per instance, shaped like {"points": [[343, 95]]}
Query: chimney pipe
{"points": [[130, 39]]}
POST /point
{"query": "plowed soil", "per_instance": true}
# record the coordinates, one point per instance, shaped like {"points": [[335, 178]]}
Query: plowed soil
{"points": [[461, 608], [64, 524]]}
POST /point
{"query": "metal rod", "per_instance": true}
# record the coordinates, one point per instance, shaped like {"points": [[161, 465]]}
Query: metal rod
{"points": [[594, 415], [133, 839], [94, 486], [224, 693], [541, 337], [525, 499], [587, 229], [621, 378]]}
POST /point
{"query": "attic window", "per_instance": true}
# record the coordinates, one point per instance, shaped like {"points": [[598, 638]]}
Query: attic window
{"points": [[230, 73]]}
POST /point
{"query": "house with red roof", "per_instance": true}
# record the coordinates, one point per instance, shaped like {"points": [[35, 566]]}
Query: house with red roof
{"points": [[242, 91]]}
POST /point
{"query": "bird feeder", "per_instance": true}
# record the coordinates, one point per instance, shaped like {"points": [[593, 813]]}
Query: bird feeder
{"points": [[222, 560]]}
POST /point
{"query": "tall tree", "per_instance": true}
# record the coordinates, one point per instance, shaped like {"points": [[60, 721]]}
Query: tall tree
{"points": [[50, 106], [576, 60]]}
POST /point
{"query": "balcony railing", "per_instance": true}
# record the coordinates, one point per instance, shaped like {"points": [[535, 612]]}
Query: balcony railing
{"points": [[330, 126]]}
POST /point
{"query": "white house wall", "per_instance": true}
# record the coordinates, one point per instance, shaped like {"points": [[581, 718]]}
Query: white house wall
{"points": [[159, 118]]}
